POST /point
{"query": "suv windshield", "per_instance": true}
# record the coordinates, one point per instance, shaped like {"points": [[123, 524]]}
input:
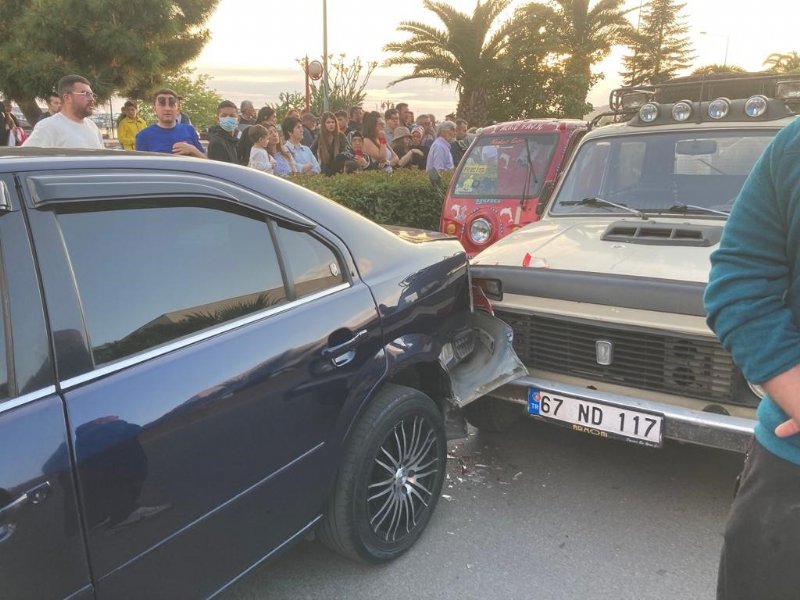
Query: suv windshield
{"points": [[661, 172], [498, 166]]}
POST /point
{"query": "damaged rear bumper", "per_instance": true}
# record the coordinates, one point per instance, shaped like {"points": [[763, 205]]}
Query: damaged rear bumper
{"points": [[491, 363]]}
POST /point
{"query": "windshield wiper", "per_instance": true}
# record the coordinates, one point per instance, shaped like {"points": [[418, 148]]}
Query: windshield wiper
{"points": [[595, 201], [689, 208]]}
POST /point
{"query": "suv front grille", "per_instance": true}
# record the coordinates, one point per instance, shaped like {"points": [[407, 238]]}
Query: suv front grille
{"points": [[644, 359]]}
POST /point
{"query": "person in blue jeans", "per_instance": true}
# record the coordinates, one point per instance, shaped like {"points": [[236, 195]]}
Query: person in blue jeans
{"points": [[167, 135], [753, 305]]}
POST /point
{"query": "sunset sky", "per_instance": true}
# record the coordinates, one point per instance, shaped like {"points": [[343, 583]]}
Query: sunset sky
{"points": [[254, 44]]}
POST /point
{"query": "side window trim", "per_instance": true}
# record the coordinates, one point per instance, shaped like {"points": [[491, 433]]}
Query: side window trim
{"points": [[288, 284], [146, 355], [71, 187], [8, 344], [12, 403]]}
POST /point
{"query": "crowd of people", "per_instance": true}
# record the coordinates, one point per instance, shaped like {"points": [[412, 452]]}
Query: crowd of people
{"points": [[341, 142]]}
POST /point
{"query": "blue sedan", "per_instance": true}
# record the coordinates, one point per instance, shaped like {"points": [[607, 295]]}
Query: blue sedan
{"points": [[201, 364]]}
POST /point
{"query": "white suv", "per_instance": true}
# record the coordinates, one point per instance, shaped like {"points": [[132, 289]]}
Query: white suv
{"points": [[605, 293]]}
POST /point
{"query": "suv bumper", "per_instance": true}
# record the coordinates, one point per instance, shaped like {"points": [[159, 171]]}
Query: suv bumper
{"points": [[681, 424]]}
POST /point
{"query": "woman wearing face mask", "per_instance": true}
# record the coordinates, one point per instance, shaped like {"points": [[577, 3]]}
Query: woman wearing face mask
{"points": [[284, 163], [222, 137], [330, 145]]}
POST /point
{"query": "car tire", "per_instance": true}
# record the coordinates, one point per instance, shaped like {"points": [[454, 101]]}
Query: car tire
{"points": [[492, 414], [380, 504]]}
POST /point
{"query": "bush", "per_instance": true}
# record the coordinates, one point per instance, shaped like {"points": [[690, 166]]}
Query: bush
{"points": [[404, 197]]}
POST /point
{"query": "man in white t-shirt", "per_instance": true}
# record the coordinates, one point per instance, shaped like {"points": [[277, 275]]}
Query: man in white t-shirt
{"points": [[70, 128]]}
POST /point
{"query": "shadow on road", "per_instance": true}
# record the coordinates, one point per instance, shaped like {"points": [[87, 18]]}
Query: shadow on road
{"points": [[542, 512]]}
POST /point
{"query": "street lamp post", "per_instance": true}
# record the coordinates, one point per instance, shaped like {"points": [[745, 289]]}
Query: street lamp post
{"points": [[325, 101], [308, 86], [727, 43], [313, 71]]}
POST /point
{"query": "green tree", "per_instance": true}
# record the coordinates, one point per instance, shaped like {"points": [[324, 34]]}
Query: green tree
{"points": [[582, 34], [347, 83], [288, 101], [660, 48], [200, 100], [783, 63], [120, 46], [528, 80], [463, 53]]}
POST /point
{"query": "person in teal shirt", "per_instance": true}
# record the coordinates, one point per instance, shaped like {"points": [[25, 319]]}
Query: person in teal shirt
{"points": [[753, 305]]}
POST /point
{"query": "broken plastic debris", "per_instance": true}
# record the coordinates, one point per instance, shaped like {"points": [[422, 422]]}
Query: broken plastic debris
{"points": [[480, 465], [446, 497], [517, 475]]}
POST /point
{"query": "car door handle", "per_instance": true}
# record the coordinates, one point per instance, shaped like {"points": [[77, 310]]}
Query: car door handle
{"points": [[343, 353], [32, 496]]}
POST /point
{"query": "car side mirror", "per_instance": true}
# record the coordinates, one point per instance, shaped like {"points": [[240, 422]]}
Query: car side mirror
{"points": [[544, 197]]}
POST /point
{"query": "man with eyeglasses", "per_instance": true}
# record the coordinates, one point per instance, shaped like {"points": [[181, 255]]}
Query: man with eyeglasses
{"points": [[167, 135], [72, 127]]}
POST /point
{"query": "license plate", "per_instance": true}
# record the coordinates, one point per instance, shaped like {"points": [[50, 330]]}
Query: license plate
{"points": [[598, 418]]}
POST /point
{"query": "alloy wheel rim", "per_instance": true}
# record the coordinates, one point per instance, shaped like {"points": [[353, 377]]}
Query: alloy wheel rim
{"points": [[401, 483]]}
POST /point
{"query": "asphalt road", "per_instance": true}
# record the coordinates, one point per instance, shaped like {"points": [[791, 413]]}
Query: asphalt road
{"points": [[541, 513]]}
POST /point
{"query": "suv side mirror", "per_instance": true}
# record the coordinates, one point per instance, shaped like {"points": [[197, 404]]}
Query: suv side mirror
{"points": [[544, 196]]}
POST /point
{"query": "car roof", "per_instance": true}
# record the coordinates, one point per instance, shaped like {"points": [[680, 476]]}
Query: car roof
{"points": [[364, 237], [531, 125], [627, 129]]}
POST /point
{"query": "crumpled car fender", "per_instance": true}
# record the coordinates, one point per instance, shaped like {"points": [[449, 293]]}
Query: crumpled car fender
{"points": [[491, 364]]}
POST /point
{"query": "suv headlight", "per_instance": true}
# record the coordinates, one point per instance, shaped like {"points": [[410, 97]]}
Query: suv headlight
{"points": [[480, 231]]}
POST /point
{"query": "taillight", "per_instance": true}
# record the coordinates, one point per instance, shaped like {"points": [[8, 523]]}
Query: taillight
{"points": [[492, 288], [483, 292], [480, 301]]}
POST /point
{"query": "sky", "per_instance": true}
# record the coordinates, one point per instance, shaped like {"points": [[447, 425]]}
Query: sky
{"points": [[254, 44]]}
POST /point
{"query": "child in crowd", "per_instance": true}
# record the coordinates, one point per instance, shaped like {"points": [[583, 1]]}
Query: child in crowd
{"points": [[259, 157]]}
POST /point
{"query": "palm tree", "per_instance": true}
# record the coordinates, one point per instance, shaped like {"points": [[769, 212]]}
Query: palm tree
{"points": [[584, 35], [462, 53], [713, 69], [783, 63]]}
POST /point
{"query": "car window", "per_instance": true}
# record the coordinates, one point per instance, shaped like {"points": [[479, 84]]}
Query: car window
{"points": [[311, 265], [658, 170], [147, 276], [502, 165]]}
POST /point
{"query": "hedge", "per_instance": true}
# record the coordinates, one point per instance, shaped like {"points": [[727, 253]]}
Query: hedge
{"points": [[405, 197]]}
